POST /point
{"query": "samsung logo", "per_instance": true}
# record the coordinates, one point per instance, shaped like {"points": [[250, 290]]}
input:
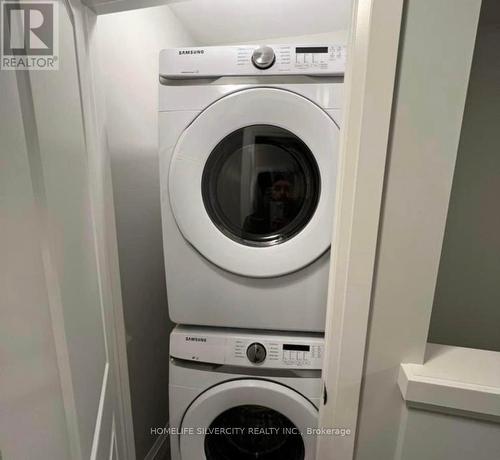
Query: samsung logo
{"points": [[192, 52], [195, 339]]}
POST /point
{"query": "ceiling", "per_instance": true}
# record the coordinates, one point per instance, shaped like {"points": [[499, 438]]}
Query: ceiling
{"points": [[115, 6], [231, 21]]}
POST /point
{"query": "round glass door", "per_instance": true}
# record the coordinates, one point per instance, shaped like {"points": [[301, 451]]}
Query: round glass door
{"points": [[250, 431], [252, 182], [261, 185], [249, 419]]}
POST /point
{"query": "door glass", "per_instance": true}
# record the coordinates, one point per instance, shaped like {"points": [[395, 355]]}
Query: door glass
{"points": [[261, 185], [251, 432]]}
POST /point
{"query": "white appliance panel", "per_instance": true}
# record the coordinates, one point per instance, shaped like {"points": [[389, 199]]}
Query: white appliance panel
{"points": [[214, 61], [207, 294], [282, 351]]}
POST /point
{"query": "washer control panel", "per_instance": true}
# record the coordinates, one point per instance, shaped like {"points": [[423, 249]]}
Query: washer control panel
{"points": [[220, 61], [246, 349]]}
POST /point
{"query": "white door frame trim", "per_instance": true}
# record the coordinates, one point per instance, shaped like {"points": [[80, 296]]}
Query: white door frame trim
{"points": [[370, 77], [83, 21]]}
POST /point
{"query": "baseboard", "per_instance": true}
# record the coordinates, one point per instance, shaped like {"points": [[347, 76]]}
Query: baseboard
{"points": [[160, 448]]}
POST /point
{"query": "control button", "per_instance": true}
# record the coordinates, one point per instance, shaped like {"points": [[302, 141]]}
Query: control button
{"points": [[256, 353], [263, 57]]}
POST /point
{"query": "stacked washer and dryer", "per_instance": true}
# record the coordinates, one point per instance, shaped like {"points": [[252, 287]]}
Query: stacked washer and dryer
{"points": [[248, 157]]}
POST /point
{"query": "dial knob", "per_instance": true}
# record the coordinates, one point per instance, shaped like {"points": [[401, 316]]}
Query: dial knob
{"points": [[263, 57], [256, 353]]}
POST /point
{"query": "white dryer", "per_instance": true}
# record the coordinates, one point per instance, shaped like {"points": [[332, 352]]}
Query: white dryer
{"points": [[248, 158], [243, 395]]}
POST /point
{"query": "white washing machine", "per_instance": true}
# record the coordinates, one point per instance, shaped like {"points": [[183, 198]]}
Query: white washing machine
{"points": [[243, 395], [248, 157]]}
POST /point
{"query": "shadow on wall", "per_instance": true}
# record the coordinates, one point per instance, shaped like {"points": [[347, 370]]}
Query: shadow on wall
{"points": [[129, 45], [466, 309], [137, 204]]}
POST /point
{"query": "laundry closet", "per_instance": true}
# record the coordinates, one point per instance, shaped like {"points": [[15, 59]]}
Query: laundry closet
{"points": [[212, 279], [241, 230]]}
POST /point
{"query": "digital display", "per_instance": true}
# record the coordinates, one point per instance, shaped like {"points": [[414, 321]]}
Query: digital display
{"points": [[311, 49], [296, 347]]}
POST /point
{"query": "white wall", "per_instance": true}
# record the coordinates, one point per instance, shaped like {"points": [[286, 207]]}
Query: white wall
{"points": [[466, 308], [129, 46], [435, 436]]}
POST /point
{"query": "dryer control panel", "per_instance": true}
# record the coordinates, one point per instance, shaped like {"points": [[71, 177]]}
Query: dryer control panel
{"points": [[221, 61], [247, 349]]}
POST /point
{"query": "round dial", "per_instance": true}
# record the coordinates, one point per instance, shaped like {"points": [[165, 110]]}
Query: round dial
{"points": [[263, 57], [256, 353]]}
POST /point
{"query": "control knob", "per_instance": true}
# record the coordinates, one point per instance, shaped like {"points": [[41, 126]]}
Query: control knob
{"points": [[263, 57], [256, 353]]}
